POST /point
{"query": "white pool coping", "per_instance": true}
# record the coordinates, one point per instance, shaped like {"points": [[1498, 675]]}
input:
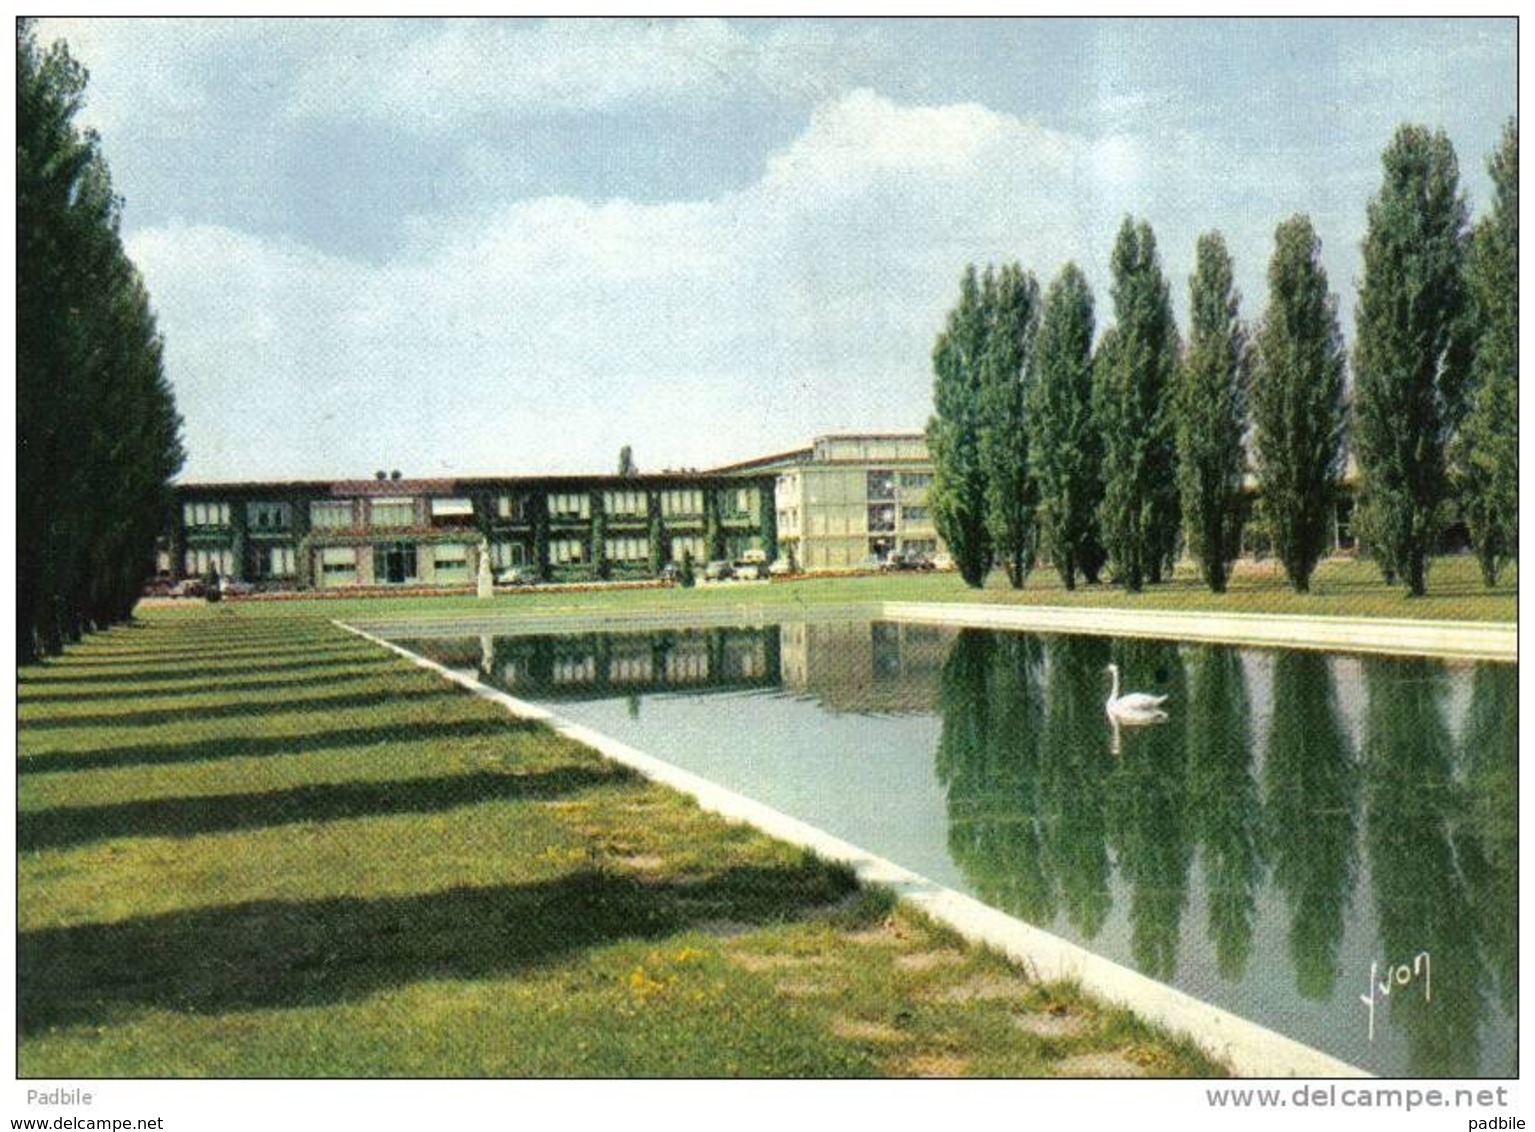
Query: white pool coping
{"points": [[1467, 640], [1250, 1049]]}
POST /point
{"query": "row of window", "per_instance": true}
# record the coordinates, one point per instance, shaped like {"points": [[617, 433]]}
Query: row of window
{"points": [[881, 482], [341, 514], [399, 562], [563, 551], [879, 518]]}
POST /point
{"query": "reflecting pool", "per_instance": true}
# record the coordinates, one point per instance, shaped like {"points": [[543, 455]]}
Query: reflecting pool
{"points": [[1324, 844]]}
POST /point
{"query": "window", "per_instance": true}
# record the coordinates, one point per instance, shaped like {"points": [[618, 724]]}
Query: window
{"points": [[626, 549], [273, 562], [916, 480], [331, 516], [914, 514], [505, 554], [741, 501], [570, 505], [338, 566], [452, 512], [563, 550], [391, 513], [688, 544], [200, 562], [686, 501], [513, 507], [625, 503], [205, 514], [450, 562], [268, 517], [881, 518], [881, 484]]}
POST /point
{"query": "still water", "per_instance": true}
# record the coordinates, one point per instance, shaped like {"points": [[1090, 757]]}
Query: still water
{"points": [[1324, 844]]}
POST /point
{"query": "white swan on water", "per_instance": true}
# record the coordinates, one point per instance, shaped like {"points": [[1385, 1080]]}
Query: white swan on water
{"points": [[1132, 707]]}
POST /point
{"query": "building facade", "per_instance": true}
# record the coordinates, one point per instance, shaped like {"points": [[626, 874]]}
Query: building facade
{"points": [[851, 500], [433, 532]]}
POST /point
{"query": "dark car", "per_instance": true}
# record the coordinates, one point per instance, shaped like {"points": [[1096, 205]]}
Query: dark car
{"points": [[908, 560], [718, 571]]}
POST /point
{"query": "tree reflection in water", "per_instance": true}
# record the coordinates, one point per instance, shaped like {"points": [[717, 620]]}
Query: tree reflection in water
{"points": [[1311, 790], [1074, 768], [991, 698], [1413, 809], [1150, 829], [1226, 809], [1487, 842]]}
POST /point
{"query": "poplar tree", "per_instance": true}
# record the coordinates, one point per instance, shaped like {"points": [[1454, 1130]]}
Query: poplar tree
{"points": [[1065, 450], [1211, 408], [1412, 347], [1485, 458], [958, 493], [1298, 403], [1133, 384], [98, 437], [1007, 374]]}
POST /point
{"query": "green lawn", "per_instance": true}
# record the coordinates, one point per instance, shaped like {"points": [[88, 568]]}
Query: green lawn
{"points": [[1341, 588], [251, 844]]}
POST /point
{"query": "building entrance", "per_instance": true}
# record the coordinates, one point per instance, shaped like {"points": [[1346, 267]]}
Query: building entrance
{"points": [[394, 563]]}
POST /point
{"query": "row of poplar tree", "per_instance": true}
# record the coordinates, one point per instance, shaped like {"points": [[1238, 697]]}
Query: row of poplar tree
{"points": [[1117, 454], [98, 437]]}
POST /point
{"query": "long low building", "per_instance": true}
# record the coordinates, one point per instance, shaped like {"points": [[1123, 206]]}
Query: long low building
{"points": [[846, 500], [432, 532]]}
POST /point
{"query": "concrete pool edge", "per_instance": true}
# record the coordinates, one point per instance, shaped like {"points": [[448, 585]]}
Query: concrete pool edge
{"points": [[1449, 640], [1251, 1050]]}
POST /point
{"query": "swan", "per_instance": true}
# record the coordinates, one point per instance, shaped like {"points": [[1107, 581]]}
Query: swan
{"points": [[1132, 707]]}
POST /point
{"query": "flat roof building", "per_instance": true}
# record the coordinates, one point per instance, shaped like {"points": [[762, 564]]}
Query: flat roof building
{"points": [[433, 532], [851, 499]]}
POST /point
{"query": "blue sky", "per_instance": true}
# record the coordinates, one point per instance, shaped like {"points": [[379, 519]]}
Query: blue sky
{"points": [[516, 246]]}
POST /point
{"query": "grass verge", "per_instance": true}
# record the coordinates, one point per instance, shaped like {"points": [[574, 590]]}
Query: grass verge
{"points": [[253, 845], [1341, 587]]}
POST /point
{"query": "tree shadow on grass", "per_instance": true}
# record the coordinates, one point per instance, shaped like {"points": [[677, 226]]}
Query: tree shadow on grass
{"points": [[156, 717], [156, 675], [65, 826], [191, 687], [219, 659], [289, 953], [263, 746]]}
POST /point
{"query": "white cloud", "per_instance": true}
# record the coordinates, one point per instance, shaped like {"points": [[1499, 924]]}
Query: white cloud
{"points": [[144, 70], [548, 332], [464, 70]]}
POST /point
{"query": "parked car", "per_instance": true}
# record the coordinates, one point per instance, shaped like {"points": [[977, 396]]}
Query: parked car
{"points": [[908, 560], [718, 571], [230, 587], [749, 571], [942, 562], [671, 572], [189, 587], [780, 567], [871, 562], [158, 587], [517, 576]]}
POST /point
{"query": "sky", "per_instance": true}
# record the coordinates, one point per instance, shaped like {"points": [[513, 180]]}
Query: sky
{"points": [[509, 247]]}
